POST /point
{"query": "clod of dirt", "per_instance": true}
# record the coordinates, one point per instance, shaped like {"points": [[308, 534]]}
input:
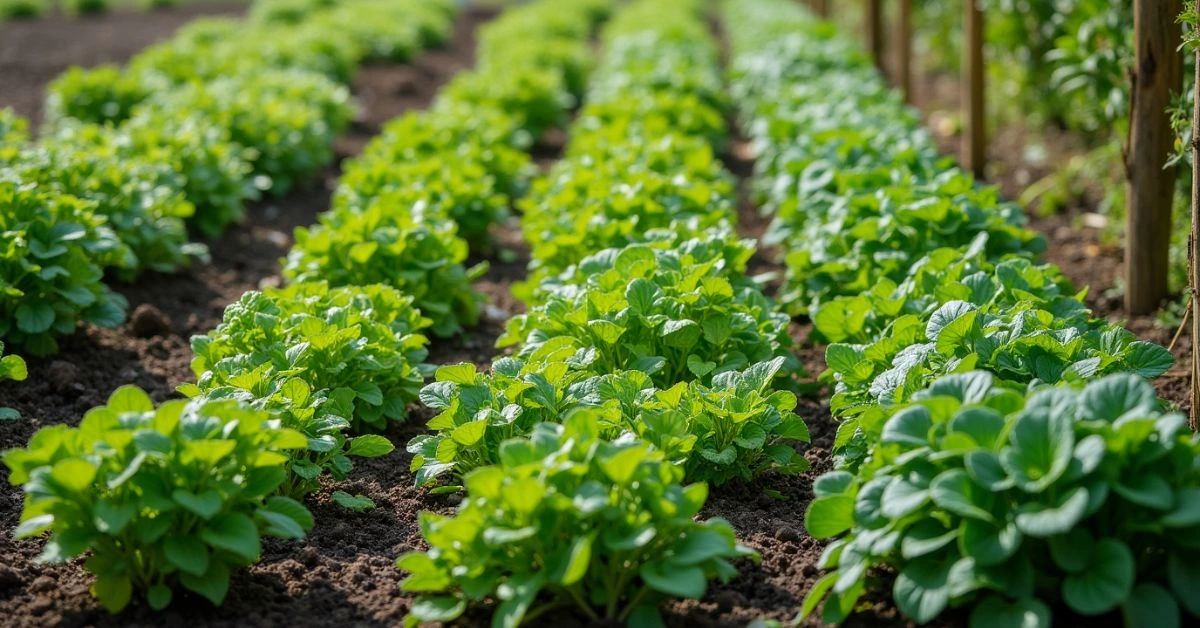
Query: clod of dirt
{"points": [[148, 321], [62, 375], [787, 534]]}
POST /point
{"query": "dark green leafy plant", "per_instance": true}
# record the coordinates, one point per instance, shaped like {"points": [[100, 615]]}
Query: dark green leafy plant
{"points": [[537, 97], [14, 132], [676, 315], [1086, 497], [52, 262], [601, 527], [177, 496], [398, 245]]}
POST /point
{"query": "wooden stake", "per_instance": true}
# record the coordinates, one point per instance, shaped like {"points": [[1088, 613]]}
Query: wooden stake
{"points": [[1157, 70], [974, 149], [873, 26], [905, 52], [1193, 243], [822, 8]]}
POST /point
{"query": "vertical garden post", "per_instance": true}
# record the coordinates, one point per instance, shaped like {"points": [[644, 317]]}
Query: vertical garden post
{"points": [[873, 25], [822, 7], [1157, 70], [904, 54], [1194, 241], [974, 149]]}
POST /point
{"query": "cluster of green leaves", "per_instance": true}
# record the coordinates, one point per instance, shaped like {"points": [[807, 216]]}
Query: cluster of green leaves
{"points": [[969, 440], [285, 120], [602, 527], [52, 262], [105, 93], [141, 195], [328, 361], [399, 244], [14, 133], [675, 314], [12, 367], [981, 495], [159, 498], [735, 428]]}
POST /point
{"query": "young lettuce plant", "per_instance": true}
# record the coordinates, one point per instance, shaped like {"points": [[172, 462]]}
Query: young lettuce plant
{"points": [[160, 498], [479, 411], [52, 263], [399, 245], [980, 496], [12, 367], [567, 519], [677, 315], [361, 345]]}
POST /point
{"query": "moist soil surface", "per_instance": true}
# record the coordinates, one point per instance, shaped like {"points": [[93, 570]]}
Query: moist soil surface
{"points": [[343, 573]]}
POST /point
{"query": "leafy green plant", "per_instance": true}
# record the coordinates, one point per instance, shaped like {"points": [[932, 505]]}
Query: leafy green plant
{"points": [[97, 95], [287, 120], [1085, 497], [160, 498], [21, 9], [215, 170], [82, 7], [14, 130], [361, 346], [141, 196], [537, 97], [52, 262], [601, 527], [12, 367], [466, 193], [735, 429], [676, 315], [394, 244]]}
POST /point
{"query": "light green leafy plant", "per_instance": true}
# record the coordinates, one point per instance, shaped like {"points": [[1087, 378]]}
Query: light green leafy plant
{"points": [[160, 498], [601, 527]]}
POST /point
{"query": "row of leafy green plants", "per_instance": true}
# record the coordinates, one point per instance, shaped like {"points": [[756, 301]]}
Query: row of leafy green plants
{"points": [[133, 160], [297, 381], [27, 9], [998, 449], [647, 366]]}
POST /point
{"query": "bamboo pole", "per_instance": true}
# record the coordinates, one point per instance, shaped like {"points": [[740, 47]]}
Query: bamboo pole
{"points": [[1157, 70], [1194, 242], [904, 40], [873, 28], [974, 149]]}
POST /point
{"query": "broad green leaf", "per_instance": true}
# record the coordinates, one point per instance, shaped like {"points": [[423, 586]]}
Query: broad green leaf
{"points": [[996, 612], [1106, 582], [829, 516], [233, 532]]}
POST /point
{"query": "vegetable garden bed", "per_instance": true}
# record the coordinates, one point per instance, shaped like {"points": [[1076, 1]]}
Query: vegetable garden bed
{"points": [[704, 201]]}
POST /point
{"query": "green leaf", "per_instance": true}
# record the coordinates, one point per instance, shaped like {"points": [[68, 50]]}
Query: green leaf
{"points": [[989, 544], [213, 585], [113, 591], [685, 582], [1072, 551], [1106, 582], [130, 399], [73, 474], [1183, 574], [35, 318], [829, 516], [1148, 360], [1117, 395], [233, 532], [576, 566], [468, 434], [187, 553], [370, 446], [954, 491], [1151, 605], [356, 503], [1058, 517], [462, 374], [205, 505], [1147, 490], [440, 609], [922, 589], [1186, 511], [996, 612], [1041, 445], [159, 597]]}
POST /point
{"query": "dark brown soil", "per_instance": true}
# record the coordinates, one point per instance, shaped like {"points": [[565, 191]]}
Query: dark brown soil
{"points": [[34, 52]]}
